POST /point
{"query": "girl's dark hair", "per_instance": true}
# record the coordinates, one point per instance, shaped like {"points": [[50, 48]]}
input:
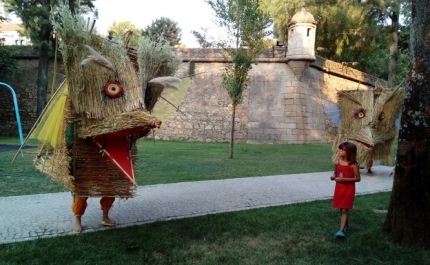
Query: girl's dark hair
{"points": [[351, 152]]}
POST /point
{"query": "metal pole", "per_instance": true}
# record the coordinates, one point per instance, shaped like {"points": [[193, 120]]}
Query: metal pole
{"points": [[15, 103]]}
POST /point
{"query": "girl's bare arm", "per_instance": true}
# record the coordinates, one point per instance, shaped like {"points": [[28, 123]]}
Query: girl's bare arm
{"points": [[334, 174], [357, 176]]}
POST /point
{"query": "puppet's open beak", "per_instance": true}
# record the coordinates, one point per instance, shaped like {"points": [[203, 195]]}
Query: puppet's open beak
{"points": [[366, 145], [116, 147]]}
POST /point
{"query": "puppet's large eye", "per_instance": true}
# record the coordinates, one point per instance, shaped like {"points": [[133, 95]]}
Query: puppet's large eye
{"points": [[360, 113], [381, 116], [113, 89]]}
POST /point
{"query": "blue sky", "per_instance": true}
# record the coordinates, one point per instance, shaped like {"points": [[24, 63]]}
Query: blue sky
{"points": [[189, 14]]}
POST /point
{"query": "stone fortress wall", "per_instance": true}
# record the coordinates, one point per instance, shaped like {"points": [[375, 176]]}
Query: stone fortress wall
{"points": [[285, 99], [277, 108], [24, 83], [284, 103]]}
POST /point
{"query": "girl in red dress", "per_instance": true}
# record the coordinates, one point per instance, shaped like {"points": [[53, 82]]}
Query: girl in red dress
{"points": [[346, 173]]}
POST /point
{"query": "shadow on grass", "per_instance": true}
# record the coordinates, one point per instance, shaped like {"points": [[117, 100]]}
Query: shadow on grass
{"points": [[11, 147]]}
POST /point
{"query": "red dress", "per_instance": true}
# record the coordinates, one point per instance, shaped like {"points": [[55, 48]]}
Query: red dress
{"points": [[344, 193]]}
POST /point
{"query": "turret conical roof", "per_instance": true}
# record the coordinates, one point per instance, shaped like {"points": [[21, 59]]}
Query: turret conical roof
{"points": [[302, 17]]}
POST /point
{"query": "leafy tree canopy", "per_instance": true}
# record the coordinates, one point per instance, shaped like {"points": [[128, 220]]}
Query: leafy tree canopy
{"points": [[163, 29], [8, 65], [246, 29], [244, 22], [123, 29], [348, 30], [203, 39], [281, 12], [36, 17]]}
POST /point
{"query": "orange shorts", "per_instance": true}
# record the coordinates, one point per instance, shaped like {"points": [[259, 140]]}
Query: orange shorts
{"points": [[80, 204]]}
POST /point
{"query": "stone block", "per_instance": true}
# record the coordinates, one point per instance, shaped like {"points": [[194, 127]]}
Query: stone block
{"points": [[301, 138], [289, 113], [288, 138], [290, 120], [291, 108], [273, 131], [279, 113], [290, 125]]}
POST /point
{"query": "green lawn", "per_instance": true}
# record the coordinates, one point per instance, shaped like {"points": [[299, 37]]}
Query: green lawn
{"points": [[171, 161], [300, 233], [294, 234]]}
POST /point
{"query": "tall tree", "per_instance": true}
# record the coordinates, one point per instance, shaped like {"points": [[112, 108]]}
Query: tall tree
{"points": [[343, 29], [246, 28], [2, 18], [8, 65], [408, 218], [203, 39], [281, 12], [163, 29], [35, 16], [350, 31], [387, 13], [342, 24], [123, 29]]}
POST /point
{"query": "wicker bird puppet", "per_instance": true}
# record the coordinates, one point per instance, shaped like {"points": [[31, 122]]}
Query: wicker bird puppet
{"points": [[101, 110], [368, 120]]}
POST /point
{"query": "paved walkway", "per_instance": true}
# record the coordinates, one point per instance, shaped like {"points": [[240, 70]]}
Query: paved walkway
{"points": [[38, 216]]}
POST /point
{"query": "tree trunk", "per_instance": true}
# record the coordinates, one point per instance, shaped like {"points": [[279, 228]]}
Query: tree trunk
{"points": [[232, 131], [408, 218], [42, 78], [394, 48]]}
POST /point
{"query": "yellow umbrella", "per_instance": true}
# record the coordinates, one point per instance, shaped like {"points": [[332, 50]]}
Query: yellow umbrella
{"points": [[50, 126]]}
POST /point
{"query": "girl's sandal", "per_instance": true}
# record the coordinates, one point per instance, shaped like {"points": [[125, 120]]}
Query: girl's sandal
{"points": [[340, 234]]}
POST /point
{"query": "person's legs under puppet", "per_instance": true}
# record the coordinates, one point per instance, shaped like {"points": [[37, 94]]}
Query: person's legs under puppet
{"points": [[106, 204], [80, 204], [369, 167]]}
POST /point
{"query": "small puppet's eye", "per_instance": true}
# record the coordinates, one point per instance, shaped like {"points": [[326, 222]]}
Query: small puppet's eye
{"points": [[381, 116], [360, 113], [113, 89]]}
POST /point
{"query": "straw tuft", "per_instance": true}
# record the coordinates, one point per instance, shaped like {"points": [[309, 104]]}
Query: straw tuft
{"points": [[368, 120], [97, 59]]}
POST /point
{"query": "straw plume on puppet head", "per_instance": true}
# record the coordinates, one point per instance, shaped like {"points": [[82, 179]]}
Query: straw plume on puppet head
{"points": [[157, 64], [96, 58], [155, 87]]}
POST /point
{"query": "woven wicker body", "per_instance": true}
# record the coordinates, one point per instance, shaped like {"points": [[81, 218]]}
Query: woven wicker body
{"points": [[96, 137], [95, 175], [77, 162]]}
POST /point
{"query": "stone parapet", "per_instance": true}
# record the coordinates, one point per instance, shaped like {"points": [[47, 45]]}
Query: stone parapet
{"points": [[277, 107]]}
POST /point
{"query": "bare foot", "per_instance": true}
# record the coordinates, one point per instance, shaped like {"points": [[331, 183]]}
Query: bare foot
{"points": [[77, 228], [106, 221]]}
